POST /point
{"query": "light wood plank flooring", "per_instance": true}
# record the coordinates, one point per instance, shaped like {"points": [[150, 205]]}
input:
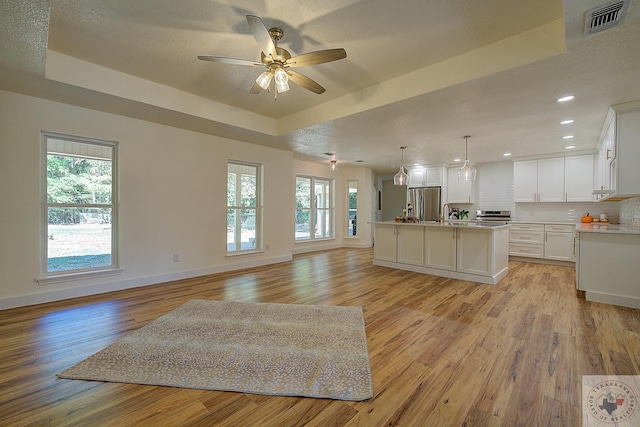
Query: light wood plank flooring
{"points": [[443, 352]]}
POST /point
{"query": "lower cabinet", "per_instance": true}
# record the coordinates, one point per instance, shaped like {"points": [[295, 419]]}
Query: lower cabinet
{"points": [[474, 251], [469, 253], [384, 244], [410, 245], [544, 241], [559, 242], [440, 248]]}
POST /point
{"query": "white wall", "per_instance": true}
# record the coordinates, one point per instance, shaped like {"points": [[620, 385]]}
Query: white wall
{"points": [[172, 199]]}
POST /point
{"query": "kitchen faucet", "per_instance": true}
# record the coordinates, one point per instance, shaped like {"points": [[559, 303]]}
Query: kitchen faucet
{"points": [[442, 218]]}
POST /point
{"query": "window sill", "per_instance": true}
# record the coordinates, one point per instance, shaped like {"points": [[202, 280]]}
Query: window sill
{"points": [[320, 239], [66, 277], [238, 254]]}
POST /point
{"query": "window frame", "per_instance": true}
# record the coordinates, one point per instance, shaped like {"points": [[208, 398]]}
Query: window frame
{"points": [[258, 247], [47, 277], [314, 209]]}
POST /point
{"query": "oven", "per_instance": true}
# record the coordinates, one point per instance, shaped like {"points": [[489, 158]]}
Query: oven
{"points": [[502, 217]]}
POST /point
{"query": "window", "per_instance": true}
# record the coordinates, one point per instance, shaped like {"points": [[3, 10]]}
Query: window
{"points": [[79, 207], [244, 208], [314, 208], [352, 210]]}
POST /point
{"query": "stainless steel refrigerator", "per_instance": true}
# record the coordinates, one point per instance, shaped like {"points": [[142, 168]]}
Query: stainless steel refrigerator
{"points": [[426, 202]]}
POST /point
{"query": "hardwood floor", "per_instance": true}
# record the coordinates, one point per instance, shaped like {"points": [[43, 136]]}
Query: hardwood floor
{"points": [[443, 352]]}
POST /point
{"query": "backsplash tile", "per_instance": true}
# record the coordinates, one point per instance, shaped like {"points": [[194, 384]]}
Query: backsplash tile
{"points": [[565, 211], [630, 212]]}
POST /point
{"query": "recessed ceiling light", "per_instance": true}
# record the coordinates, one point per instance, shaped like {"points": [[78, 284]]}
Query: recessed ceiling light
{"points": [[566, 122], [457, 160], [506, 154], [566, 98], [567, 137], [569, 147]]}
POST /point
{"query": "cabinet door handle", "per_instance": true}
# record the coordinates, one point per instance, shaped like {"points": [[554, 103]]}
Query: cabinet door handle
{"points": [[608, 153]]}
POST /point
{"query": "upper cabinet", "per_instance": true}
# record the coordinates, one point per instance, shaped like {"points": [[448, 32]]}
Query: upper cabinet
{"points": [[559, 179], [459, 191], [426, 177], [618, 174], [538, 180]]}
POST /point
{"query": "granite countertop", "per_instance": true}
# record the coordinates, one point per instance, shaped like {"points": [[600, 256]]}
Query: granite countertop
{"points": [[453, 223], [543, 222], [606, 229]]}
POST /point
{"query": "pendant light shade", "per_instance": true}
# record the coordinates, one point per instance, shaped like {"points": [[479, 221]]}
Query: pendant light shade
{"points": [[334, 164], [467, 172], [401, 178], [264, 79], [282, 80]]}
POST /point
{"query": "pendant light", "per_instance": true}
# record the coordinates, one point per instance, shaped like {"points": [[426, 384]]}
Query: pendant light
{"points": [[334, 164], [401, 178], [467, 172]]}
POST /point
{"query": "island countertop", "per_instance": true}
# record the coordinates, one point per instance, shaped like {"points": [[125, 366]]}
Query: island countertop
{"points": [[454, 224], [603, 228]]}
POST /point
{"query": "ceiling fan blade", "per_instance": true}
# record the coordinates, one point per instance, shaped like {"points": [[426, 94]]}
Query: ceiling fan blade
{"points": [[255, 88], [262, 36], [233, 61], [318, 57], [305, 82]]}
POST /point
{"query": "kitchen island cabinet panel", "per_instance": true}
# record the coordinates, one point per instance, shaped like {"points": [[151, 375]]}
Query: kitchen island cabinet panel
{"points": [[474, 251], [384, 243], [460, 250], [410, 245], [440, 245]]}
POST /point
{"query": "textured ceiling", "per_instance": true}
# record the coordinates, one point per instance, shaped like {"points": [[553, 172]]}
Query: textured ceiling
{"points": [[420, 73]]}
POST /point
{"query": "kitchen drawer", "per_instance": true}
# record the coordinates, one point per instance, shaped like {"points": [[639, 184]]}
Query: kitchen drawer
{"points": [[526, 236], [526, 227], [532, 251], [561, 228]]}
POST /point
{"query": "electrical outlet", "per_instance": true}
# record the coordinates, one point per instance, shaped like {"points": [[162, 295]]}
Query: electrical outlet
{"points": [[176, 257]]}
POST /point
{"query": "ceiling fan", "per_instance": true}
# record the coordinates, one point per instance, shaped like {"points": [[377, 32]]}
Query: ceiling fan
{"points": [[278, 61]]}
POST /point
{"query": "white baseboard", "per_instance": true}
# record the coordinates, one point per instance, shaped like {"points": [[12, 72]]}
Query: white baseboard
{"points": [[632, 302], [81, 291]]}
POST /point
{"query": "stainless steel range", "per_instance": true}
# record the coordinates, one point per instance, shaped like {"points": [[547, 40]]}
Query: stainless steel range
{"points": [[494, 216]]}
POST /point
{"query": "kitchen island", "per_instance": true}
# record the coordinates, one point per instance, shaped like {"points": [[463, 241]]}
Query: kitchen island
{"points": [[608, 265], [465, 250]]}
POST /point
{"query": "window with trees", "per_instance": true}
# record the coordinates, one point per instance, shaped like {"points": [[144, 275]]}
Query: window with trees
{"points": [[79, 205], [314, 208], [244, 207], [352, 210]]}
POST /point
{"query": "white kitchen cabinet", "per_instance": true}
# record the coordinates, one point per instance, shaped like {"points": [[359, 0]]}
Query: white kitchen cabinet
{"points": [[539, 180], [526, 240], [558, 179], [543, 241], [459, 191], [608, 268], [384, 243], [618, 173], [465, 251], [425, 177], [410, 245], [559, 242], [440, 248], [578, 178], [474, 251]]}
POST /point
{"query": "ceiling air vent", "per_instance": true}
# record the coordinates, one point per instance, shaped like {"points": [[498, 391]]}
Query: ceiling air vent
{"points": [[604, 17]]}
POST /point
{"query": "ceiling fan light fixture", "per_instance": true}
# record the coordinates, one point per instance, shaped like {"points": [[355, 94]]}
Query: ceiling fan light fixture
{"points": [[282, 80], [401, 178], [264, 80], [467, 172]]}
